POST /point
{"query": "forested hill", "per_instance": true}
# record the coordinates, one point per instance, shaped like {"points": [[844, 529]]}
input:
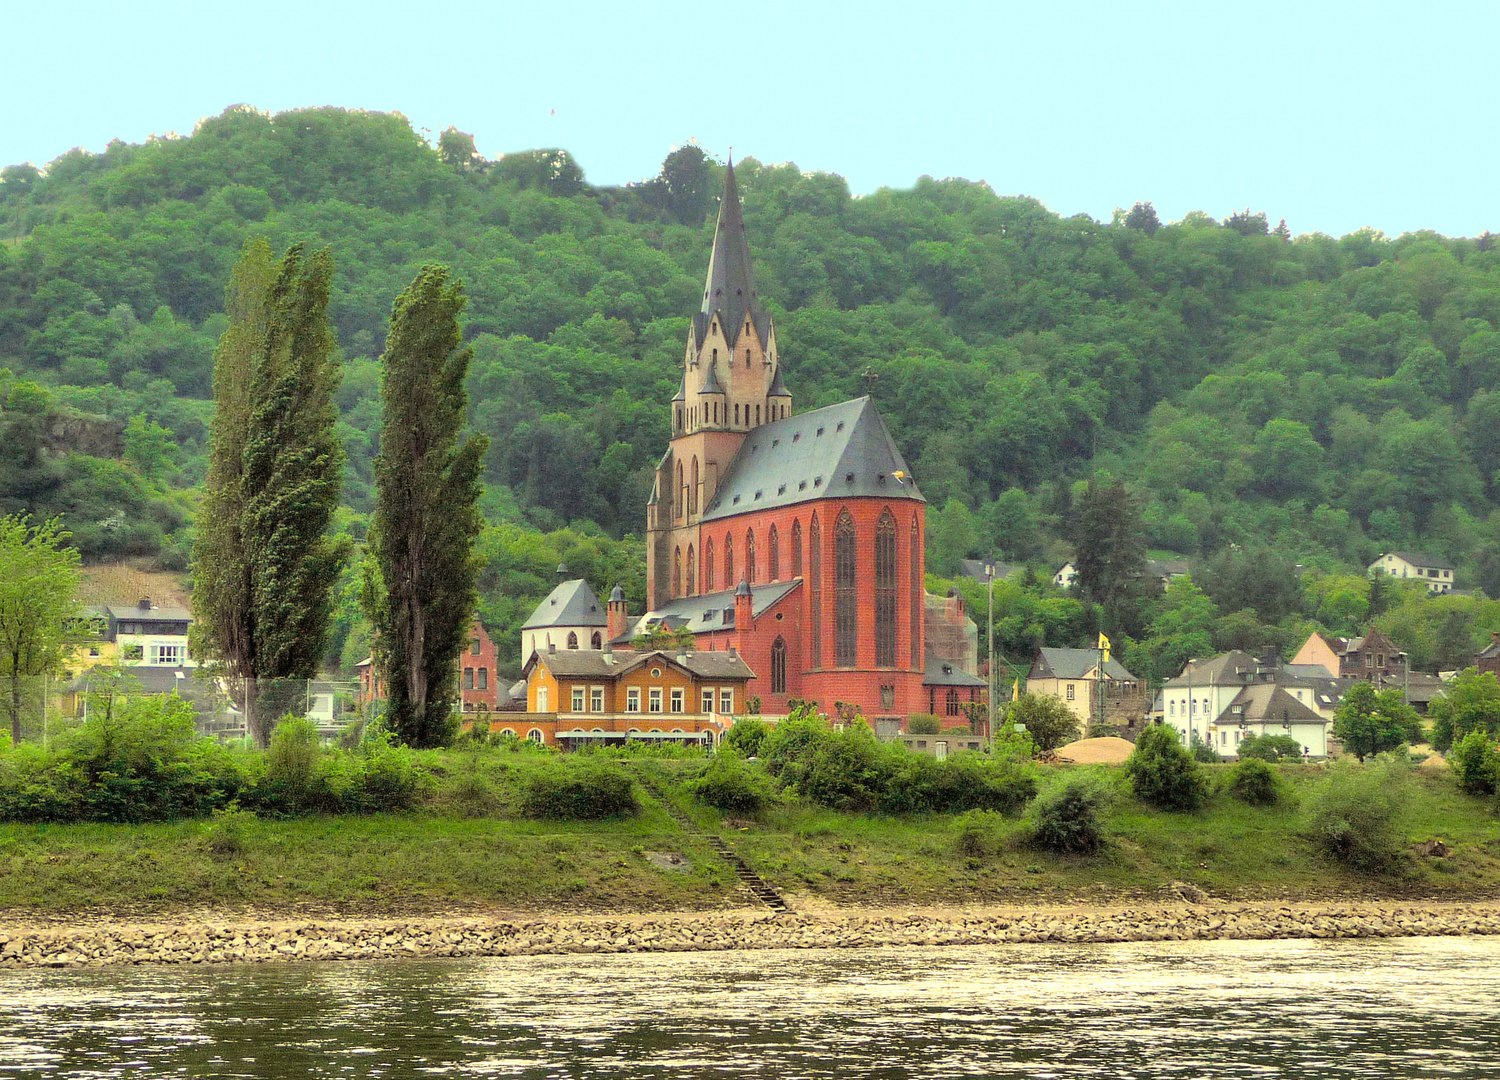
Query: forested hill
{"points": [[1328, 397]]}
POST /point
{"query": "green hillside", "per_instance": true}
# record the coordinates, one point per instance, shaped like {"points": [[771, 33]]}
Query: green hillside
{"points": [[1269, 400]]}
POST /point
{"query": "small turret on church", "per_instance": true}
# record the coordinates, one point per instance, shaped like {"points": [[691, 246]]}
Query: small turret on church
{"points": [[731, 384]]}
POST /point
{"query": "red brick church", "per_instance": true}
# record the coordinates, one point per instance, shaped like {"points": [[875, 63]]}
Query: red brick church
{"points": [[795, 538]]}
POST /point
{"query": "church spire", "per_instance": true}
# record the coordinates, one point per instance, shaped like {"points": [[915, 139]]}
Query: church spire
{"points": [[730, 288]]}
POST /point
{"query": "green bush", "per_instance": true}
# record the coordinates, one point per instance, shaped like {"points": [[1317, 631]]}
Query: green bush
{"points": [[979, 833], [225, 836], [1358, 813], [733, 785], [1476, 764], [788, 748], [1255, 782], [580, 789], [918, 783], [138, 761], [293, 782], [1270, 748], [923, 724], [1066, 819], [848, 771], [747, 736], [1163, 773], [1202, 752]]}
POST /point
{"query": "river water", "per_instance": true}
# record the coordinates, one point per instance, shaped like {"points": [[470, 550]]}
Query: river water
{"points": [[1417, 1007]]}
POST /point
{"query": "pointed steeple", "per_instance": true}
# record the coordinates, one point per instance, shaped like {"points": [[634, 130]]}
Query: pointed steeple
{"points": [[730, 287]]}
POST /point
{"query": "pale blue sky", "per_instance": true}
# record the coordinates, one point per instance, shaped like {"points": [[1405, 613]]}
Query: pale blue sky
{"points": [[1331, 115]]}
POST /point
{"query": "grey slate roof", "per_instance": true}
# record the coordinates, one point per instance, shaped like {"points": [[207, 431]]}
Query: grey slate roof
{"points": [[778, 386], [841, 451], [1490, 651], [1268, 703], [592, 664], [1075, 664], [1167, 567], [681, 394], [134, 613], [730, 287], [572, 603], [710, 611], [974, 569], [942, 672], [1229, 667], [1422, 559], [139, 680], [711, 382]]}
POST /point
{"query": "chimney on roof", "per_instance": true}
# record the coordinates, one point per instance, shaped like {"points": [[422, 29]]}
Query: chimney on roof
{"points": [[551, 648], [145, 603], [742, 612], [732, 651], [562, 571]]}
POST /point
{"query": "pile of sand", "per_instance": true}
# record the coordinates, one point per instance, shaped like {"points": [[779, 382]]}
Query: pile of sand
{"points": [[1434, 761], [1106, 751]]}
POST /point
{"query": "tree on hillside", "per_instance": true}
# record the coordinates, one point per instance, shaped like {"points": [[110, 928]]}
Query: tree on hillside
{"points": [[1372, 723], [38, 605], [1471, 703], [427, 511], [1142, 216], [263, 566], [1109, 551]]}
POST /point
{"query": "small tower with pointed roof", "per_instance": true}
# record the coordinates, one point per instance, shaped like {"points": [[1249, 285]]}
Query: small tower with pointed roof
{"points": [[731, 384]]}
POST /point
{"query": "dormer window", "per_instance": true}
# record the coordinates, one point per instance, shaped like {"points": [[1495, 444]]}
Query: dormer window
{"points": [[840, 427], [848, 478], [820, 432]]}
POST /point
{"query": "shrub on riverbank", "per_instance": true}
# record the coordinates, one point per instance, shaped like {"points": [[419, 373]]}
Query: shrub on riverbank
{"points": [[581, 790], [1476, 764], [1067, 819], [1163, 773], [1358, 813], [1254, 782], [731, 784]]}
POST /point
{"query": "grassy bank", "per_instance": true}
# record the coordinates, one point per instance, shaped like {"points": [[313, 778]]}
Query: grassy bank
{"points": [[467, 847]]}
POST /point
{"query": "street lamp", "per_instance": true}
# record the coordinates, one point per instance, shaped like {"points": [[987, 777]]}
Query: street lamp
{"points": [[989, 591]]}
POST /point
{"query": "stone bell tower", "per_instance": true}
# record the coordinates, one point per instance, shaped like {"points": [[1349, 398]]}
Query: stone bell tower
{"points": [[731, 383]]}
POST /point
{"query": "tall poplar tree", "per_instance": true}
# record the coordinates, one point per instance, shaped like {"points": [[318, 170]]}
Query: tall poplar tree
{"points": [[263, 565], [427, 516]]}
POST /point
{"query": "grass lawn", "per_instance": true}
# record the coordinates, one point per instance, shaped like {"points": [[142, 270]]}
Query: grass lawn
{"points": [[469, 847]]}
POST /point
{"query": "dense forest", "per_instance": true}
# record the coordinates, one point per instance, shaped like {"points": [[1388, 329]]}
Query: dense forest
{"points": [[1281, 408]]}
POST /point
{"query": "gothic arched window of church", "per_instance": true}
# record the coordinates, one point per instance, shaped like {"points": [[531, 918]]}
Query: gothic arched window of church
{"points": [[693, 491], [815, 586], [773, 556], [728, 562], [750, 556], [846, 595], [598, 641], [572, 640], [708, 565], [677, 572], [915, 600], [691, 579], [778, 666], [681, 491], [885, 591], [952, 703], [796, 548]]}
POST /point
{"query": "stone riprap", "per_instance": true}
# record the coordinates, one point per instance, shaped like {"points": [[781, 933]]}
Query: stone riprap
{"points": [[206, 941]]}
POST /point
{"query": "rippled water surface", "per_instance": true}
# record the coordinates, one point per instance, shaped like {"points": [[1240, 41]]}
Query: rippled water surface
{"points": [[1410, 1008]]}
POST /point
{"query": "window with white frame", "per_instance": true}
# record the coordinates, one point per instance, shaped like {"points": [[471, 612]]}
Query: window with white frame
{"points": [[726, 700], [1071, 689], [541, 699], [596, 699], [170, 655], [633, 699], [708, 699], [677, 699], [655, 699], [578, 699]]}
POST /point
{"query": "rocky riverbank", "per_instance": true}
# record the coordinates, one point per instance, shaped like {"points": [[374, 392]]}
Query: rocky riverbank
{"points": [[209, 941]]}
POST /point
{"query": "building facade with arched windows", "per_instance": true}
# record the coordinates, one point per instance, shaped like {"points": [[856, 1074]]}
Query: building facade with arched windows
{"points": [[797, 539]]}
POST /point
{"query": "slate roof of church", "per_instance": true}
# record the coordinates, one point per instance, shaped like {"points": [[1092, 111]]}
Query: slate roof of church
{"points": [[730, 288], [942, 672], [709, 611], [572, 603], [841, 451]]}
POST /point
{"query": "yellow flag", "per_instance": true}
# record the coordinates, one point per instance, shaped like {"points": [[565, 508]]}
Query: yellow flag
{"points": [[1015, 693], [1104, 647]]}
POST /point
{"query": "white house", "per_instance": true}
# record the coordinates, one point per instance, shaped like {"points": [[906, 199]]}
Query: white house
{"points": [[1067, 577], [1223, 699], [149, 636], [1435, 573]]}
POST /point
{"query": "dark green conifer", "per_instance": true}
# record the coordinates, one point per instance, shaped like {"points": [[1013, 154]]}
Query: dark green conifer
{"points": [[427, 511], [263, 564]]}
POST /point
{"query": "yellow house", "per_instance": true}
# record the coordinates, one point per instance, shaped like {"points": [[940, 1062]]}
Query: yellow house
{"points": [[574, 697]]}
